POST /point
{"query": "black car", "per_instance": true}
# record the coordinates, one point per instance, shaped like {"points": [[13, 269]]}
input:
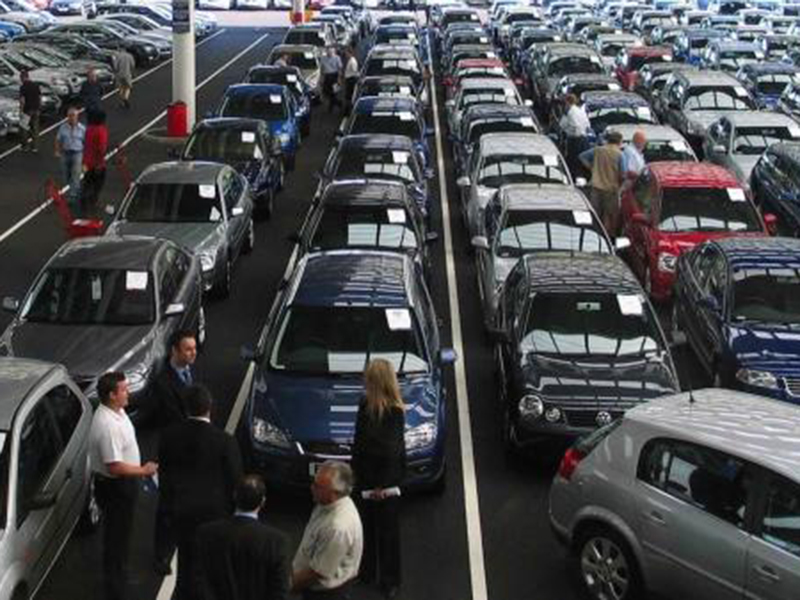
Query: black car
{"points": [[246, 145], [578, 344], [144, 50], [291, 78], [73, 45], [775, 184]]}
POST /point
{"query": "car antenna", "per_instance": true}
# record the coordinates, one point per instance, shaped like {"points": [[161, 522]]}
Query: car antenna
{"points": [[691, 393]]}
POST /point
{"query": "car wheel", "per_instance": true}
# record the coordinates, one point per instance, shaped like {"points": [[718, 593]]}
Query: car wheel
{"points": [[202, 332], [607, 566], [250, 237], [224, 286], [92, 514], [281, 176]]}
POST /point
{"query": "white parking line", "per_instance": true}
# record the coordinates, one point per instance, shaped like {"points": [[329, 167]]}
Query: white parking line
{"points": [[36, 211], [139, 77], [471, 502]]}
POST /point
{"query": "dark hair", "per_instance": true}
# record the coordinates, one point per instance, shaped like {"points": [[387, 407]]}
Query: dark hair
{"points": [[250, 492], [107, 385], [24, 73], [96, 116], [178, 336], [198, 400]]}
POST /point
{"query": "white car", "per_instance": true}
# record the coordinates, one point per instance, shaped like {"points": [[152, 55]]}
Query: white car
{"points": [[253, 4], [215, 4]]}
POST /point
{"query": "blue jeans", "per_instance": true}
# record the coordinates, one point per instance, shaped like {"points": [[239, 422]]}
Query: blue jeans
{"points": [[71, 163]]}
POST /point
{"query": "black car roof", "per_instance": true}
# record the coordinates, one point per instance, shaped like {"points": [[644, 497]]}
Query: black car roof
{"points": [[231, 123], [108, 252], [579, 272], [371, 141], [364, 192], [761, 253]]}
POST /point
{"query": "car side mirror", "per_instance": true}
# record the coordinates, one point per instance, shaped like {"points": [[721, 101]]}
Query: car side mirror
{"points": [[771, 221], [719, 149], [480, 242], [640, 219], [42, 501], [431, 237], [237, 211], [447, 356], [621, 243], [173, 310], [581, 182], [463, 181], [10, 304]]}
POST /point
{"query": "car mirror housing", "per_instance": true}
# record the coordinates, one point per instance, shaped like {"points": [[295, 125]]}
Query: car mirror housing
{"points": [[447, 356], [480, 242], [237, 211], [10, 304], [462, 181], [173, 310]]}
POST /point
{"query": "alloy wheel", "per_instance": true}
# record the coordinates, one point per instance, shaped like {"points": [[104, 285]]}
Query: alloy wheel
{"points": [[605, 569]]}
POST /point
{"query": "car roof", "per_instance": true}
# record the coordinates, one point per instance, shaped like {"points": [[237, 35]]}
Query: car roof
{"points": [[588, 77], [610, 98], [364, 192], [498, 111], [743, 46], [563, 272], [649, 50], [559, 50], [354, 278], [707, 78], [374, 141], [18, 376], [770, 68], [230, 123], [520, 143], [761, 253], [674, 174], [526, 196], [253, 88], [750, 118], [135, 253], [653, 132], [277, 69], [484, 82], [182, 172], [701, 32], [756, 428], [382, 103], [293, 49]]}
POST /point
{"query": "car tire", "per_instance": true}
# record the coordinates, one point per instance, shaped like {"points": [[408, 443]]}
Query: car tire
{"points": [[607, 567], [91, 515], [250, 237]]}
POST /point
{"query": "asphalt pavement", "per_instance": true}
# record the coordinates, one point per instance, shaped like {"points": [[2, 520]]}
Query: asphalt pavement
{"points": [[520, 558]]}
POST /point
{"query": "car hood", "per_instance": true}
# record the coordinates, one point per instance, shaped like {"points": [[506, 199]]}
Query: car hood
{"points": [[764, 348], [320, 408], [154, 40], [703, 118], [193, 236], [87, 351]]}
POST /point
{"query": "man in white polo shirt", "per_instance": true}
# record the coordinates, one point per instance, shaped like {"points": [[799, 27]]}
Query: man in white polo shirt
{"points": [[117, 469], [329, 555]]}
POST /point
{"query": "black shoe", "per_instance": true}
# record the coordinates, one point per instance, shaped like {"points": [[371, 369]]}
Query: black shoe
{"points": [[162, 567]]}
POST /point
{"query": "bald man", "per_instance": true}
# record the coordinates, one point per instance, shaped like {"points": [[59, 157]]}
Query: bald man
{"points": [[632, 161]]}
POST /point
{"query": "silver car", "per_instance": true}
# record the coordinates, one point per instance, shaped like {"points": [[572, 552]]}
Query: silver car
{"points": [[203, 206], [695, 495], [44, 469]]}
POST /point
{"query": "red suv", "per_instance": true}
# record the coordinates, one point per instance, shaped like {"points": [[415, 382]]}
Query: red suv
{"points": [[672, 207], [632, 59]]}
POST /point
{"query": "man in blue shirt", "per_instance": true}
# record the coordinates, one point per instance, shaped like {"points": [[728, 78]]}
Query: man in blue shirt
{"points": [[69, 148], [632, 162]]}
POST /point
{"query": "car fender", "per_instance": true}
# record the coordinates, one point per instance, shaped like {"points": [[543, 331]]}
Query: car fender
{"points": [[13, 578], [601, 515]]}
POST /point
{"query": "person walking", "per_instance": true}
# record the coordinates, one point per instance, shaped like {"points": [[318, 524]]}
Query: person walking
{"points": [[239, 557], [70, 139], [632, 160], [331, 67], [199, 468], [379, 465], [117, 471], [351, 75], [94, 161], [124, 66], [328, 558], [604, 163], [575, 126], [30, 105], [91, 93]]}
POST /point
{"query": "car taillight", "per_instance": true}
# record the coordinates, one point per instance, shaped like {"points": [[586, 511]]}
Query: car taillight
{"points": [[570, 462]]}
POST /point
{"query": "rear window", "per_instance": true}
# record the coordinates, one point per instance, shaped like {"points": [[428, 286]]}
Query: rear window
{"points": [[257, 105]]}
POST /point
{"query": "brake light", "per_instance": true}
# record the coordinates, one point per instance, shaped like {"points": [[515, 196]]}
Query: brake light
{"points": [[570, 461]]}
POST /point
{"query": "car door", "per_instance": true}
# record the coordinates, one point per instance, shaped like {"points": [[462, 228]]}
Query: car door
{"points": [[236, 221], [773, 555], [692, 504], [711, 305], [484, 257]]}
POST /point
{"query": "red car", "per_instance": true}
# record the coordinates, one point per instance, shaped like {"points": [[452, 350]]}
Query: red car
{"points": [[634, 58], [673, 206]]}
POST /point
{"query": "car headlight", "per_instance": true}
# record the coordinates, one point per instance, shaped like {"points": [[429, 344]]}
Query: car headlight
{"points": [[284, 138], [667, 262], [531, 407], [265, 432], [763, 379], [420, 436], [207, 261]]}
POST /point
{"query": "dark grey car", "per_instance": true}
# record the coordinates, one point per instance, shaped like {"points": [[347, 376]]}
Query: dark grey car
{"points": [[203, 206], [108, 303]]}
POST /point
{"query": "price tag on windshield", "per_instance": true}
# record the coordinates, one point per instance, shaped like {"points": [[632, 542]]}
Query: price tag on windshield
{"points": [[582, 217], [398, 319], [291, 78], [550, 161], [630, 304], [667, 58], [248, 137], [643, 112], [794, 131], [678, 145], [136, 280], [740, 91], [308, 55], [405, 116], [404, 89], [526, 121], [214, 215], [484, 40], [275, 99], [207, 190], [736, 194], [396, 215], [399, 157], [614, 87]]}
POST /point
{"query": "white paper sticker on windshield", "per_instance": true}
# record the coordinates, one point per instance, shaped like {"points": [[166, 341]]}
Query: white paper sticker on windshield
{"points": [[399, 319], [582, 217], [411, 37], [526, 121], [550, 161], [214, 215], [399, 157], [678, 145], [794, 131], [411, 64], [667, 58], [496, 71], [291, 78], [275, 98], [308, 55], [97, 288], [614, 87], [396, 215], [630, 304], [473, 17], [405, 116], [740, 91], [491, 55], [508, 92], [135, 280], [208, 190], [643, 112], [484, 40], [595, 59], [248, 137], [736, 194], [404, 89]]}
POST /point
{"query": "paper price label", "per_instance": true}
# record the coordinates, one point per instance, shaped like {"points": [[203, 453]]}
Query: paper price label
{"points": [[582, 217], [136, 280], [643, 112], [405, 116], [396, 215], [248, 137], [291, 78], [399, 157], [550, 161], [207, 190], [736, 194], [484, 40], [667, 58], [214, 215], [614, 87], [740, 91], [398, 319], [678, 145], [275, 99], [794, 131], [630, 304], [404, 89], [308, 55], [526, 121]]}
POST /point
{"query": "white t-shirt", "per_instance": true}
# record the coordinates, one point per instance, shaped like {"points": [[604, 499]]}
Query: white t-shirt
{"points": [[112, 438], [351, 68], [332, 544], [575, 123]]}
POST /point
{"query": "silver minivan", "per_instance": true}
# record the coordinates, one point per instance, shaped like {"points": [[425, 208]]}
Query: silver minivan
{"points": [[44, 471], [695, 495]]}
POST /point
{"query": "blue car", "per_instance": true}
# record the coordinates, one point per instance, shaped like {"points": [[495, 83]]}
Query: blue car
{"points": [[339, 310], [271, 103], [737, 301], [767, 81], [775, 184], [292, 78], [690, 44], [11, 30]]}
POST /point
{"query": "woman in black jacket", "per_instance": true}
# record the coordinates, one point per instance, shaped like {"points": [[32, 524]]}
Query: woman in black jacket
{"points": [[379, 464]]}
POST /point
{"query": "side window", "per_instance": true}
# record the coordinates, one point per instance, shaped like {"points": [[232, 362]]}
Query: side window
{"points": [[704, 264], [509, 291], [169, 286], [39, 450], [66, 409], [644, 192], [717, 277], [780, 525]]}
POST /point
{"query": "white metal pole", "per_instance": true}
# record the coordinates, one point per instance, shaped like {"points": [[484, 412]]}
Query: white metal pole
{"points": [[298, 11], [183, 60]]}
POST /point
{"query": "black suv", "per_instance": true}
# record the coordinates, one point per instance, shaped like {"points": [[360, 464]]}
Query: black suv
{"points": [[775, 183]]}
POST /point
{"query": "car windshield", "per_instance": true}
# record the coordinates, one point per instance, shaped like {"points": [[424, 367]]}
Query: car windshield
{"points": [[255, 105], [173, 203], [707, 209], [721, 98], [395, 123], [310, 340], [574, 64], [590, 324], [502, 169], [488, 97], [223, 145], [503, 125], [409, 68], [396, 165], [773, 85], [5, 451], [42, 59], [755, 140], [637, 62], [304, 37], [301, 60], [601, 118], [527, 231], [663, 150], [387, 89], [82, 296], [767, 295], [364, 227], [290, 80]]}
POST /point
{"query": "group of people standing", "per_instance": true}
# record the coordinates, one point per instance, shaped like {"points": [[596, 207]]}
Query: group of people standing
{"points": [[213, 511], [339, 76]]}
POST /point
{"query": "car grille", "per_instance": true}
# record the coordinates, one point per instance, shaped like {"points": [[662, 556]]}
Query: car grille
{"points": [[588, 418], [793, 385], [326, 448]]}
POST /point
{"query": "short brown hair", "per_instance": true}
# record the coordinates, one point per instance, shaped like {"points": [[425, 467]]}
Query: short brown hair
{"points": [[107, 385]]}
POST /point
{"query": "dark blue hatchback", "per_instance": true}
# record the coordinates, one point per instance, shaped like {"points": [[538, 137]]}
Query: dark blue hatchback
{"points": [[738, 302], [339, 310]]}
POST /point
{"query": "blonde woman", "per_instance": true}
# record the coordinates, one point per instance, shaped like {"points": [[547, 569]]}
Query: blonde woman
{"points": [[379, 464]]}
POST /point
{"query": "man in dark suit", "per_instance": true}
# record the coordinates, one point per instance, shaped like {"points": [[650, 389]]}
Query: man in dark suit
{"points": [[200, 466], [241, 558], [167, 407]]}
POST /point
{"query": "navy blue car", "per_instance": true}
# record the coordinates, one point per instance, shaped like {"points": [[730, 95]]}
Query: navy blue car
{"points": [[775, 184], [308, 378], [767, 81], [292, 78], [271, 103], [737, 301]]}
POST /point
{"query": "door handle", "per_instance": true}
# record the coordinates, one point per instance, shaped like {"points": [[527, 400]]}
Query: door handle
{"points": [[768, 573], [656, 517]]}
